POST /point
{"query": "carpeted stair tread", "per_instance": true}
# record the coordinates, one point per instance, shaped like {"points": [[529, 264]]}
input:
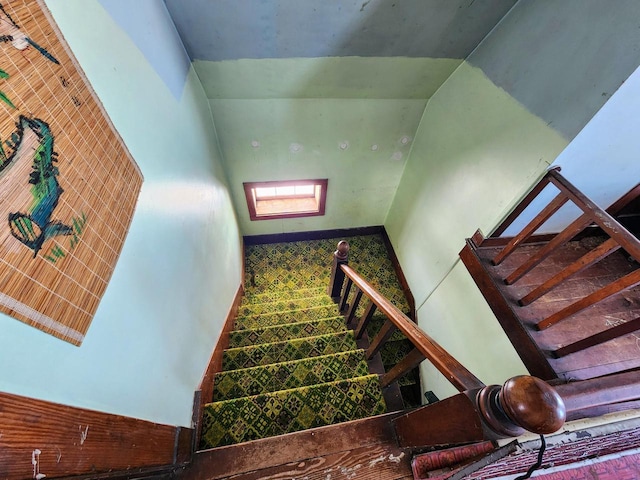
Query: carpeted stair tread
{"points": [[288, 375], [286, 331], [285, 304], [290, 316], [261, 296], [266, 353], [250, 418]]}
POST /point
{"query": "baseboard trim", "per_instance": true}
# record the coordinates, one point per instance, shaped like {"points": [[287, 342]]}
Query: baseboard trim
{"points": [[311, 235], [67, 441], [205, 389]]}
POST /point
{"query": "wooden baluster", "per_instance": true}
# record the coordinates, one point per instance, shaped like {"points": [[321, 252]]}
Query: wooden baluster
{"points": [[342, 306], [354, 306], [524, 203], [595, 255], [560, 239], [605, 221], [365, 319], [601, 337], [340, 257], [409, 362], [624, 283], [383, 335], [527, 231]]}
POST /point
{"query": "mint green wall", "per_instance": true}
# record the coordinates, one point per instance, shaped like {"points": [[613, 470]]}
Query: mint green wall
{"points": [[163, 310], [475, 151], [302, 138], [325, 77], [320, 103]]}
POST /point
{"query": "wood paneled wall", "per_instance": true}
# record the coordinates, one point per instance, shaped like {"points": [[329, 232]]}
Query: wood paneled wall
{"points": [[40, 438]]}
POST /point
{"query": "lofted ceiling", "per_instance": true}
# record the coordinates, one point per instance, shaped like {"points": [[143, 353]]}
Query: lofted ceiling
{"points": [[302, 89]]}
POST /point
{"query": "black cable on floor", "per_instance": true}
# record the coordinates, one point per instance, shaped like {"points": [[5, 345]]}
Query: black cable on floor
{"points": [[538, 463]]}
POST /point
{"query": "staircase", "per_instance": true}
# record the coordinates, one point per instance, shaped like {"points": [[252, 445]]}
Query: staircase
{"points": [[292, 362], [568, 301]]}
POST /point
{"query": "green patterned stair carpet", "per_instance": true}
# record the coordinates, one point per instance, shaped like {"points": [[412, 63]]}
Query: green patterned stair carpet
{"points": [[286, 331], [291, 362], [287, 375], [296, 349], [285, 411]]}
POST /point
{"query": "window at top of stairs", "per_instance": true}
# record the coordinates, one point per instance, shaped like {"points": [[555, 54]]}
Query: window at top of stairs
{"points": [[286, 199]]}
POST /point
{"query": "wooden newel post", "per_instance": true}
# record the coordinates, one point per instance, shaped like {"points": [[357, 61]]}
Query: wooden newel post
{"points": [[340, 257], [523, 403]]}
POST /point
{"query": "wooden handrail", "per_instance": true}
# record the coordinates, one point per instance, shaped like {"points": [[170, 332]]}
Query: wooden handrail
{"points": [[456, 373], [592, 214], [522, 403]]}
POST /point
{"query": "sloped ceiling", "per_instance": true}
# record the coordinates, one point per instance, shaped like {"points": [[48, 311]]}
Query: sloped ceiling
{"points": [[322, 75]]}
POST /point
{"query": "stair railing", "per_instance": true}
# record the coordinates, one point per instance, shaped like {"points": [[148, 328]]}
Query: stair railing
{"points": [[592, 215], [479, 412]]}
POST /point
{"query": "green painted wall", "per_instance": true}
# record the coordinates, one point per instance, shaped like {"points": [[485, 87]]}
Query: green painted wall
{"points": [[302, 138], [320, 103], [154, 330], [477, 149], [326, 77], [486, 136]]}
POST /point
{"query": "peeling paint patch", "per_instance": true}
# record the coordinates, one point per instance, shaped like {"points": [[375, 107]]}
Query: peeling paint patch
{"points": [[83, 434], [35, 461], [395, 459], [350, 473], [376, 461]]}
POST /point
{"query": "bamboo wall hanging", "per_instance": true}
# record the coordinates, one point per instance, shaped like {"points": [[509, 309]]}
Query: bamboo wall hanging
{"points": [[68, 185]]}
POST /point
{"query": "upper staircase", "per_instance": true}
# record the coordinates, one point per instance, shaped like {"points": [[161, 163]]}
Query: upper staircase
{"points": [[568, 301]]}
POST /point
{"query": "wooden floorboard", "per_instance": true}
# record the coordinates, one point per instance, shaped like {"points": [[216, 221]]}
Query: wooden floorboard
{"points": [[377, 462], [612, 356], [293, 448]]}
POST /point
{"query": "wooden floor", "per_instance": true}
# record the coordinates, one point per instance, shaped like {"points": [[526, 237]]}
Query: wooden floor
{"points": [[362, 449], [613, 356]]}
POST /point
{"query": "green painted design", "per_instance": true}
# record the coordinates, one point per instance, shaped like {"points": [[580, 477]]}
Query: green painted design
{"points": [[5, 99], [15, 37], [36, 226]]}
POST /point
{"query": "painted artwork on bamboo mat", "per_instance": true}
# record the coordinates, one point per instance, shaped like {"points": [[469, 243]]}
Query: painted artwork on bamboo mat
{"points": [[68, 186]]}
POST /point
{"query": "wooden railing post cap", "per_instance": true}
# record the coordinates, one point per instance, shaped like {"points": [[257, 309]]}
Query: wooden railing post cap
{"points": [[533, 404], [343, 250]]}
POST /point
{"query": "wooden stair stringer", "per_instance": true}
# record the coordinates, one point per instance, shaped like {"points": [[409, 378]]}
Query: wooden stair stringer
{"points": [[533, 357]]}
